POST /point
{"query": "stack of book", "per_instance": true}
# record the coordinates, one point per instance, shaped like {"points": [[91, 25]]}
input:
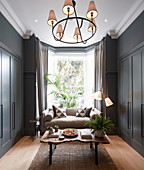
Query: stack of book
{"points": [[86, 134]]}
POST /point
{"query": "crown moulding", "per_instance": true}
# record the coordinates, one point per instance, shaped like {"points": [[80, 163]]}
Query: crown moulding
{"points": [[9, 14], [131, 15]]}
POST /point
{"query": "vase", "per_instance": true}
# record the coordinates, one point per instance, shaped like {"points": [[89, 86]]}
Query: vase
{"points": [[99, 133]]}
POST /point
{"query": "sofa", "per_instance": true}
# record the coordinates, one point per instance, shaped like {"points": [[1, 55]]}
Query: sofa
{"points": [[71, 118]]}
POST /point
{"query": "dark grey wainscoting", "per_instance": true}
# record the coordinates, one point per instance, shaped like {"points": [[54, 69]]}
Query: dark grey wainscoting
{"points": [[29, 85]]}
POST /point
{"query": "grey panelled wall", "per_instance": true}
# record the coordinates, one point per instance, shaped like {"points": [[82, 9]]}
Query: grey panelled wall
{"points": [[10, 38], [112, 80], [130, 53], [11, 69], [29, 85], [132, 37]]}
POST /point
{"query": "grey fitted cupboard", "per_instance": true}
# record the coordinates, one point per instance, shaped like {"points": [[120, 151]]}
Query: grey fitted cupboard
{"points": [[125, 97], [10, 100], [131, 99]]}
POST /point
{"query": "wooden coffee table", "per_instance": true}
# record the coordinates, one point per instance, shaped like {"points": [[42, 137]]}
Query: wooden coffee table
{"points": [[55, 141]]}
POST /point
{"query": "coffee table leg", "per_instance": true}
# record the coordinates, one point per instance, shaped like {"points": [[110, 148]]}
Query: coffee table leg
{"points": [[96, 153], [50, 154]]}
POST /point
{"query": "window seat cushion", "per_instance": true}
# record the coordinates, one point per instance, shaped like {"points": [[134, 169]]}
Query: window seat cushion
{"points": [[69, 122]]}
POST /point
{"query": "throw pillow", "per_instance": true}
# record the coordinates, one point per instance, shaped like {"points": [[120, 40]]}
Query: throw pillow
{"points": [[94, 112], [60, 113], [81, 113], [88, 110], [54, 110], [49, 116]]}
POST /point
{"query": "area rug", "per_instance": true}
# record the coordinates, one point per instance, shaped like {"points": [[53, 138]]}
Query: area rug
{"points": [[72, 156]]}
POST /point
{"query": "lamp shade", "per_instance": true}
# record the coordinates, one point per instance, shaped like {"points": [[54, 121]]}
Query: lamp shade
{"points": [[97, 95], [52, 18], [59, 31], [91, 27], [77, 34], [68, 8], [108, 102], [92, 11]]}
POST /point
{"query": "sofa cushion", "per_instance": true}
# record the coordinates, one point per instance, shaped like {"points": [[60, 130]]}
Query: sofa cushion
{"points": [[71, 112], [81, 113], [69, 122]]}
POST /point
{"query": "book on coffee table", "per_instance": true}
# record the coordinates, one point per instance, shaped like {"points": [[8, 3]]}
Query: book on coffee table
{"points": [[53, 135], [86, 134]]}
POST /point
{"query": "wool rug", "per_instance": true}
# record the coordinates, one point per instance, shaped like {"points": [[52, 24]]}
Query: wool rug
{"points": [[72, 156]]}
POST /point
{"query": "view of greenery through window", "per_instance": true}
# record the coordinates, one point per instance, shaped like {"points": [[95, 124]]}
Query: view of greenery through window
{"points": [[68, 83], [72, 77]]}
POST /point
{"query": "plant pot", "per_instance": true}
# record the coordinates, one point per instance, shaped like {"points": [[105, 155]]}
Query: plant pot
{"points": [[56, 130], [99, 134], [50, 132]]}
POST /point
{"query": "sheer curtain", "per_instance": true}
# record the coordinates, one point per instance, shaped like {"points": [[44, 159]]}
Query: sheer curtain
{"points": [[100, 73], [89, 78], [42, 69]]}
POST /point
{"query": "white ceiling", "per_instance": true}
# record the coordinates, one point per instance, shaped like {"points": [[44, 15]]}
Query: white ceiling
{"points": [[29, 10]]}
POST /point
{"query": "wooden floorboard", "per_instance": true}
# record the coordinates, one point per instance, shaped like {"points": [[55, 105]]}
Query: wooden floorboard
{"points": [[124, 156], [20, 156]]}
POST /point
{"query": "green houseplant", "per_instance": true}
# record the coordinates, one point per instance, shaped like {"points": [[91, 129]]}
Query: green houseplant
{"points": [[56, 127], [50, 129], [61, 92], [100, 125]]}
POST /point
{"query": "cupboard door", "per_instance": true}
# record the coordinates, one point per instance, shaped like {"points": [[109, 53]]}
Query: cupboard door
{"points": [[6, 130], [1, 123], [16, 97], [125, 97], [18, 83], [142, 106], [137, 70]]}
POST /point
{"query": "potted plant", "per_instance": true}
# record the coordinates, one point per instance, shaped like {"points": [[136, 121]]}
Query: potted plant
{"points": [[100, 125], [50, 129], [56, 128]]}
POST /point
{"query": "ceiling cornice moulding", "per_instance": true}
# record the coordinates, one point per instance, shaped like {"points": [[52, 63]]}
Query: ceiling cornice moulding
{"points": [[132, 14], [9, 14]]}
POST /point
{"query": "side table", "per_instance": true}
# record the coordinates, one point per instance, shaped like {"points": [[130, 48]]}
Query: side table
{"points": [[37, 124]]}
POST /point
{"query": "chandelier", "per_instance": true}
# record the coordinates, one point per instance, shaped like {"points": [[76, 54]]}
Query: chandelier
{"points": [[69, 9]]}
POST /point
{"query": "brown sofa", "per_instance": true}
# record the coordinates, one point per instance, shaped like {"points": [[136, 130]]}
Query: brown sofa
{"points": [[70, 121]]}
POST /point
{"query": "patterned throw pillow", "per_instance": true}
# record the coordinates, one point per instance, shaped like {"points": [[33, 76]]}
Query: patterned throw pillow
{"points": [[81, 113], [60, 113]]}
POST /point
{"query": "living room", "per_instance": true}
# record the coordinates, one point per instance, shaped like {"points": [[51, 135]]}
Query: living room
{"points": [[69, 66]]}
